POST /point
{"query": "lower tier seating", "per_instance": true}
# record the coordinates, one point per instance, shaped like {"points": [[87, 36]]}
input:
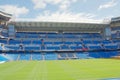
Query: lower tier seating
{"points": [[55, 56]]}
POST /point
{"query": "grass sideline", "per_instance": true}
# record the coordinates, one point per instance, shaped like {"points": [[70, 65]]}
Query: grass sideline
{"points": [[86, 69]]}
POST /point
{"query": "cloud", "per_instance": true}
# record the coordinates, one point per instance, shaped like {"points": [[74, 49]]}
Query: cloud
{"points": [[108, 5], [64, 17], [39, 4], [66, 4], [15, 10], [63, 4]]}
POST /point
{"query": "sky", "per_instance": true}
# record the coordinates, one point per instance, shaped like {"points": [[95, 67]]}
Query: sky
{"points": [[62, 10]]}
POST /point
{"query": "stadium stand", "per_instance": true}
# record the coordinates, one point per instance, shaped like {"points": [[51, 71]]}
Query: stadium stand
{"points": [[58, 41], [53, 44]]}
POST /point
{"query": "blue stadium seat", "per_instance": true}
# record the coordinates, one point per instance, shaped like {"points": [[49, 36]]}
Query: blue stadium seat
{"points": [[36, 42], [111, 46], [3, 57], [82, 55], [36, 56], [70, 55], [94, 47], [87, 41], [33, 47], [96, 41], [24, 56], [68, 42], [13, 56], [58, 42], [64, 47], [14, 42], [51, 41], [48, 42], [106, 42], [50, 56], [3, 41], [12, 47], [63, 55], [104, 54], [52, 47], [26, 42], [94, 54]]}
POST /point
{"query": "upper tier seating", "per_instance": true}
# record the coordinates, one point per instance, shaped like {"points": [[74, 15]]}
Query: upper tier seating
{"points": [[56, 41], [14, 41], [94, 46], [12, 47], [3, 41], [53, 47], [32, 47], [56, 35], [111, 46]]}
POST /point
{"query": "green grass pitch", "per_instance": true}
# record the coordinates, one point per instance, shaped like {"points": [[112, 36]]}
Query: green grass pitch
{"points": [[86, 69]]}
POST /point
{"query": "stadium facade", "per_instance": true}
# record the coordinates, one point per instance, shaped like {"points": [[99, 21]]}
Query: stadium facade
{"points": [[58, 40]]}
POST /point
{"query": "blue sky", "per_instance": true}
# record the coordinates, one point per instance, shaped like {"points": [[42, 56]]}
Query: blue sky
{"points": [[62, 10]]}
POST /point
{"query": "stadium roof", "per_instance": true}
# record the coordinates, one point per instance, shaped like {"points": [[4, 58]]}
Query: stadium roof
{"points": [[59, 26], [4, 16], [115, 22]]}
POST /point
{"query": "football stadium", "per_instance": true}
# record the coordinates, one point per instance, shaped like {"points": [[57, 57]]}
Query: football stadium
{"points": [[59, 50]]}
